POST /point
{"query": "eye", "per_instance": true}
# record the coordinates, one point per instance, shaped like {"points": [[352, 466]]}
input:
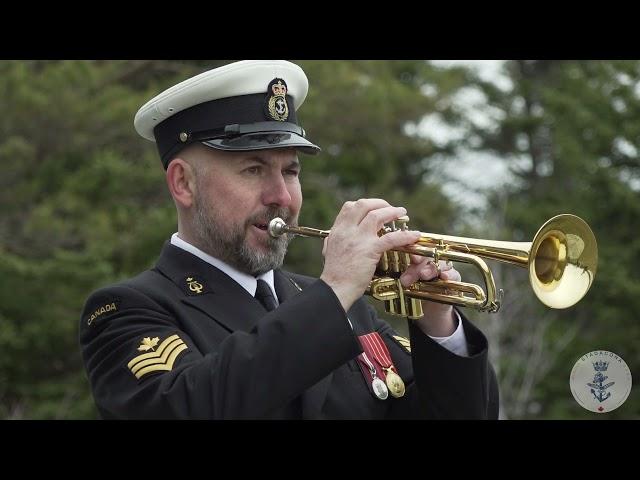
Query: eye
{"points": [[294, 172], [254, 170]]}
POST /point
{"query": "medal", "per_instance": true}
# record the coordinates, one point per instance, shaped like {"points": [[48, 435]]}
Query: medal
{"points": [[379, 388], [373, 344], [395, 383]]}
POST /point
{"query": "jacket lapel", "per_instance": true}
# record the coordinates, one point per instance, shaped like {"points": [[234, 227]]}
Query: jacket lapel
{"points": [[286, 287], [218, 296], [210, 290]]}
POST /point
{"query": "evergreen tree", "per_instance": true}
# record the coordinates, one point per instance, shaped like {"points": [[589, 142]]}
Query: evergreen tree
{"points": [[570, 133]]}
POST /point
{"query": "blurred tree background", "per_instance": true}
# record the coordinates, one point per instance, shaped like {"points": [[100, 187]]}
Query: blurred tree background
{"points": [[84, 201]]}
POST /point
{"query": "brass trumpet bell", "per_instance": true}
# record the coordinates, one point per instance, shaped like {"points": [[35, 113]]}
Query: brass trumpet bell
{"points": [[563, 261]]}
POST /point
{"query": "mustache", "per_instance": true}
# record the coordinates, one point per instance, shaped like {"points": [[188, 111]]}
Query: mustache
{"points": [[268, 214]]}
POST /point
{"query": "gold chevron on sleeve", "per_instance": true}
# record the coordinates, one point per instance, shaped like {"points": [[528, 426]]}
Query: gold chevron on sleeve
{"points": [[404, 342], [160, 360]]}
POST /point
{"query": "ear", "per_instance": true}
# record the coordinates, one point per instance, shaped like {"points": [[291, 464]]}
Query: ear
{"points": [[181, 181]]}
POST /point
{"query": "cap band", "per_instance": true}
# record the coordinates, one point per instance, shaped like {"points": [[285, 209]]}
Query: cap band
{"points": [[210, 119]]}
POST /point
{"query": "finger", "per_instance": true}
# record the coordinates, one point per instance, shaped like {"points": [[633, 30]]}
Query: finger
{"points": [[451, 275], [428, 271], [354, 212], [400, 238], [420, 259], [445, 265], [410, 275], [375, 219], [408, 278], [324, 246], [417, 259]]}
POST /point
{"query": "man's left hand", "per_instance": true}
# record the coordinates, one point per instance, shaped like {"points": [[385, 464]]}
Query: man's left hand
{"points": [[439, 319]]}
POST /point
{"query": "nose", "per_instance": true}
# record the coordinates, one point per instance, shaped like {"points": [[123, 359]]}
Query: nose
{"points": [[276, 192]]}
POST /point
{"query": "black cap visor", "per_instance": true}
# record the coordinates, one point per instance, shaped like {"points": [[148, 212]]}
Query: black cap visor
{"points": [[262, 136], [263, 141]]}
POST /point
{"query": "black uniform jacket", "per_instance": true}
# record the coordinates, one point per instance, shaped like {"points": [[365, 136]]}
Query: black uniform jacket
{"points": [[183, 340]]}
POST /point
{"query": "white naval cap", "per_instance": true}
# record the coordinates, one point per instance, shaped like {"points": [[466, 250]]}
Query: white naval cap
{"points": [[247, 105]]}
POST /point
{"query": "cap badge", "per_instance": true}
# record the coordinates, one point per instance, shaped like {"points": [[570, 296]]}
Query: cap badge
{"points": [[276, 105]]}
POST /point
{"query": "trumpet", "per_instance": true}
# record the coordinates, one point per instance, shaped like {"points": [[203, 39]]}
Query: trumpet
{"points": [[562, 260]]}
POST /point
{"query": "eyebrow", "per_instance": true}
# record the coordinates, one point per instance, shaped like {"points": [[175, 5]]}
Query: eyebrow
{"points": [[294, 163], [262, 161]]}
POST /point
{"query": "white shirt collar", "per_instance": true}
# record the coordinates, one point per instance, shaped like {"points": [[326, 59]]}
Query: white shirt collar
{"points": [[248, 282]]}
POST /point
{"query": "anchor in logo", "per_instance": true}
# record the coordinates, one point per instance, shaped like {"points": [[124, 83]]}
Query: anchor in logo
{"points": [[597, 389], [281, 106]]}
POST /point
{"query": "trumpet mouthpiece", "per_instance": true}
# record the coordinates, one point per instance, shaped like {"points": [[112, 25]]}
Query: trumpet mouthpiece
{"points": [[277, 227]]}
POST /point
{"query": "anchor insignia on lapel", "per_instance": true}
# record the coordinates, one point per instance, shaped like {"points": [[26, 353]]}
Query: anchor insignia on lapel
{"points": [[194, 285]]}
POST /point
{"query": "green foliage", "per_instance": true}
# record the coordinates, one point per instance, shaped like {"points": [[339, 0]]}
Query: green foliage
{"points": [[84, 201]]}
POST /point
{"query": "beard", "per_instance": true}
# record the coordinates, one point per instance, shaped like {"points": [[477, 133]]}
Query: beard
{"points": [[228, 242]]}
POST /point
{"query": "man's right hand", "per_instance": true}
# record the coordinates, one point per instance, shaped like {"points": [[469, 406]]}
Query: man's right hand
{"points": [[353, 248]]}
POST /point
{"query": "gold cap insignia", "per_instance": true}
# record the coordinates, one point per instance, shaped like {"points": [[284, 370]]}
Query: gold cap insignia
{"points": [[160, 358], [276, 106], [404, 342]]}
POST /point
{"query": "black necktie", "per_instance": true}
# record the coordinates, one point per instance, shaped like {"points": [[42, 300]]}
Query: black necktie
{"points": [[265, 296]]}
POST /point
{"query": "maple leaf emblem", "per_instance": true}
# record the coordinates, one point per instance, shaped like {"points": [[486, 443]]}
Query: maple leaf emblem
{"points": [[148, 343]]}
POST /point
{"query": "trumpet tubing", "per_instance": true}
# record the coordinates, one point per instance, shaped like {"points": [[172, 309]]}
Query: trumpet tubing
{"points": [[562, 261]]}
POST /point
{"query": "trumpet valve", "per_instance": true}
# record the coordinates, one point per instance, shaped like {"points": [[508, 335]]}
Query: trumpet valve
{"points": [[402, 222]]}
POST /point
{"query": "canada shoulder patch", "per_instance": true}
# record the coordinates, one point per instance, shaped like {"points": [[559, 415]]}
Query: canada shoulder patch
{"points": [[102, 309]]}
